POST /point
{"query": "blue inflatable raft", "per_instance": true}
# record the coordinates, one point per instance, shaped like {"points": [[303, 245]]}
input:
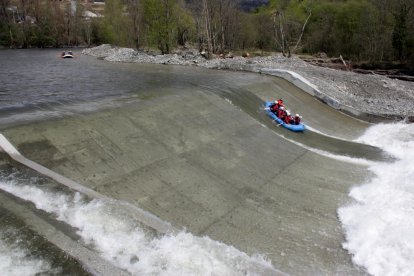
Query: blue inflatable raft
{"points": [[297, 128]]}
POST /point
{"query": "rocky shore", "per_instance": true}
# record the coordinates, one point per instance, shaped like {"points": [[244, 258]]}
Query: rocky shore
{"points": [[369, 94]]}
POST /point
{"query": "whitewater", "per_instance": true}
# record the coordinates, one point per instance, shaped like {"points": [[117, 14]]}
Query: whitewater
{"points": [[17, 260], [379, 220], [378, 223], [109, 227]]}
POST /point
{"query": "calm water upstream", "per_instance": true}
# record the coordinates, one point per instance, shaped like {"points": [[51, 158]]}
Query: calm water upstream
{"points": [[194, 148]]}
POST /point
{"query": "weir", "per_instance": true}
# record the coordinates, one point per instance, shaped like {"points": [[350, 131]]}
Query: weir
{"points": [[216, 167], [215, 177]]}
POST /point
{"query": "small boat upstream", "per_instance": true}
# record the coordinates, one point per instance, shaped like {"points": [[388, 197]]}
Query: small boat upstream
{"points": [[67, 54], [296, 127]]}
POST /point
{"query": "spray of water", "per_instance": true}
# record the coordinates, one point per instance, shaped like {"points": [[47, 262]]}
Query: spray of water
{"points": [[379, 223], [104, 225], [17, 260]]}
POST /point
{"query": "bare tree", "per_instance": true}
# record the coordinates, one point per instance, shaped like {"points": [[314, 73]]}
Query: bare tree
{"points": [[135, 13], [283, 34], [207, 29]]}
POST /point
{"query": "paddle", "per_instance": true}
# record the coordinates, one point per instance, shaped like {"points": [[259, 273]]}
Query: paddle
{"points": [[274, 121]]}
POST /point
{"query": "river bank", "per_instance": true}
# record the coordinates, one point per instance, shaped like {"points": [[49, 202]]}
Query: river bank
{"points": [[369, 94]]}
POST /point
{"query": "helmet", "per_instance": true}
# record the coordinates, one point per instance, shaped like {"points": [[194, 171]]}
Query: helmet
{"points": [[297, 115], [282, 108], [288, 112], [276, 101]]}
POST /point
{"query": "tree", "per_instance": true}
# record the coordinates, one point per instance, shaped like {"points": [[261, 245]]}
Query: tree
{"points": [[135, 14], [263, 24], [207, 29], [382, 27], [399, 35], [159, 17], [185, 24], [114, 25], [41, 34], [245, 35], [289, 22], [6, 23], [320, 36]]}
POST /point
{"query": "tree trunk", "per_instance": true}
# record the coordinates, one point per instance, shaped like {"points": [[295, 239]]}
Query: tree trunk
{"points": [[207, 29], [275, 30], [303, 30]]}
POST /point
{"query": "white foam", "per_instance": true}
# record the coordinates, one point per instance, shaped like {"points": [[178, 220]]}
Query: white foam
{"points": [[15, 260], [348, 159], [379, 223], [120, 239], [324, 134]]}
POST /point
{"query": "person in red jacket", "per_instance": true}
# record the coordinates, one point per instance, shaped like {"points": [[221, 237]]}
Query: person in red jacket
{"points": [[288, 118], [276, 106], [280, 102], [297, 119], [281, 113]]}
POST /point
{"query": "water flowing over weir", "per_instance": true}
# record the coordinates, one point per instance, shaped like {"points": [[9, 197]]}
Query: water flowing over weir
{"points": [[379, 223], [191, 147]]}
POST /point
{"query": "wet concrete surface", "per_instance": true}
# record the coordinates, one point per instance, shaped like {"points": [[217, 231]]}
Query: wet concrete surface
{"points": [[218, 168]]}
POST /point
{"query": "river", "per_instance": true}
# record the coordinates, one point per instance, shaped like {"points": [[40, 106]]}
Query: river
{"points": [[193, 148]]}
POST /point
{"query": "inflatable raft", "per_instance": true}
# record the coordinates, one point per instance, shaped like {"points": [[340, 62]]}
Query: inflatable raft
{"points": [[296, 128]]}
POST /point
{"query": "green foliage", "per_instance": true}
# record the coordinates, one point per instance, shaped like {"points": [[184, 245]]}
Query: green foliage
{"points": [[356, 29], [320, 33], [263, 38], [5, 39], [162, 22], [186, 25], [247, 36], [361, 30], [115, 25], [400, 35], [158, 23]]}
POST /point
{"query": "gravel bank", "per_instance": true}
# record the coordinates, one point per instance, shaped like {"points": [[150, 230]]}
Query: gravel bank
{"points": [[368, 94]]}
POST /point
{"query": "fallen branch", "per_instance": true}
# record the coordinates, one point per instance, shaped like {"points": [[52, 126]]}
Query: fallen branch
{"points": [[343, 61]]}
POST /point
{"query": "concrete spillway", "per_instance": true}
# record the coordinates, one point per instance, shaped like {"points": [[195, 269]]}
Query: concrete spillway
{"points": [[199, 162]]}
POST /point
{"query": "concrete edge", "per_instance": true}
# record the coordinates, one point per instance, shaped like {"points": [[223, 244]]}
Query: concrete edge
{"points": [[304, 84], [144, 217]]}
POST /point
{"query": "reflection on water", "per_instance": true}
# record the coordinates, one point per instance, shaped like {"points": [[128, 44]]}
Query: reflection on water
{"points": [[49, 86]]}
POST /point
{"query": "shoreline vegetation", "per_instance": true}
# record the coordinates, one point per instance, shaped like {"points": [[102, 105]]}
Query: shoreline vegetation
{"points": [[376, 95], [371, 37], [366, 33]]}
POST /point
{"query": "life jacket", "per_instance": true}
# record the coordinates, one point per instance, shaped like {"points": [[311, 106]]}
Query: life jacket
{"points": [[288, 119], [297, 120], [281, 113], [274, 107]]}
